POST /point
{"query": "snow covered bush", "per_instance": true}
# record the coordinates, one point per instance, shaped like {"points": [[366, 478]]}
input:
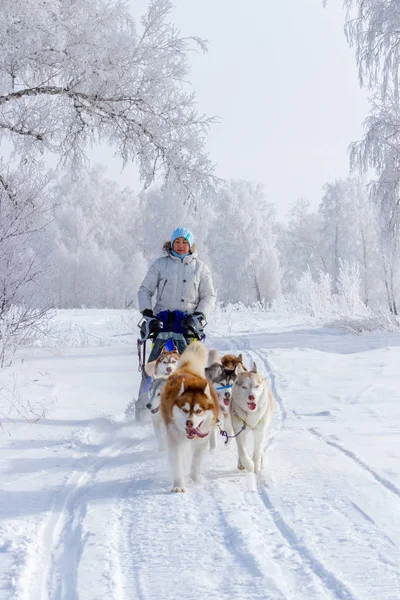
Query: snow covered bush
{"points": [[20, 325], [314, 297], [349, 286]]}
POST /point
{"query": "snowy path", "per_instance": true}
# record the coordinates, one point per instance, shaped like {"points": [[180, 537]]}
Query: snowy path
{"points": [[86, 512]]}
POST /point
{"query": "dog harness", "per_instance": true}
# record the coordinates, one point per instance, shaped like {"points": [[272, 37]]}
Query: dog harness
{"points": [[245, 423]]}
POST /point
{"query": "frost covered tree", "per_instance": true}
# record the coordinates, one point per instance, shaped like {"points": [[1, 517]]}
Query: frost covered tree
{"points": [[76, 72], [342, 230], [373, 28], [385, 193], [364, 239], [241, 243], [24, 211], [93, 241], [349, 234], [340, 211], [300, 244]]}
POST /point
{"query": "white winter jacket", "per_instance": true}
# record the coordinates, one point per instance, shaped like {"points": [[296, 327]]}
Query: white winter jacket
{"points": [[180, 284]]}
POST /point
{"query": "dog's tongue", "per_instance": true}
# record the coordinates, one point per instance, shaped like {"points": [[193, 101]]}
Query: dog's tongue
{"points": [[252, 405], [199, 433], [226, 401], [190, 433]]}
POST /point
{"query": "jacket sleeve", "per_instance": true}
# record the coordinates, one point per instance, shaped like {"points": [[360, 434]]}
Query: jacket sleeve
{"points": [[206, 292], [148, 287]]}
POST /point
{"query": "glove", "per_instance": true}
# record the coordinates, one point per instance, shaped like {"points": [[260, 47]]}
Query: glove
{"points": [[155, 326], [199, 314], [187, 322], [151, 326], [194, 325], [201, 319], [147, 312]]}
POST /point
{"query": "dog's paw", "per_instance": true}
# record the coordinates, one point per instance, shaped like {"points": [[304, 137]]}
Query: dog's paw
{"points": [[247, 464], [178, 489], [240, 466]]}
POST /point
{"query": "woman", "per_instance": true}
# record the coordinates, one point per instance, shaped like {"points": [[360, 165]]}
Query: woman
{"points": [[184, 295], [182, 281]]}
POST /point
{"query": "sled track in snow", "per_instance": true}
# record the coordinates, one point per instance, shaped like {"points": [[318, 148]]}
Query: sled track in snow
{"points": [[352, 456], [332, 583], [52, 568], [334, 586]]}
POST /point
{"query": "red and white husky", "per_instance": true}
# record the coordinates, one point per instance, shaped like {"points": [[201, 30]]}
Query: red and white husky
{"points": [[252, 405], [189, 409], [165, 364]]}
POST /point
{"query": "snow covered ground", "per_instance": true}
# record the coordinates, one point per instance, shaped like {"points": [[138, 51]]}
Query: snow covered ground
{"points": [[85, 505]]}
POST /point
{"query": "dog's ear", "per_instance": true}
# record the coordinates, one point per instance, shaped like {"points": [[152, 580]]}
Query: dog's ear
{"points": [[182, 388], [207, 391], [240, 358], [239, 368], [150, 368], [213, 371], [254, 369]]}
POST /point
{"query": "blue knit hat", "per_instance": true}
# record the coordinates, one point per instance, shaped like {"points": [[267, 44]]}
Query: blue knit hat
{"points": [[182, 232]]}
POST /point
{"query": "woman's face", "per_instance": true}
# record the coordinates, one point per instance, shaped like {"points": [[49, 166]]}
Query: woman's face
{"points": [[181, 246]]}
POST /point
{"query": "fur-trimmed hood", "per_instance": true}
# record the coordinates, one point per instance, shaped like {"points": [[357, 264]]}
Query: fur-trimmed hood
{"points": [[167, 248]]}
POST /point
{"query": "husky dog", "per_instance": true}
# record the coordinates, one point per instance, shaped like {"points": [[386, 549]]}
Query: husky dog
{"points": [[230, 361], [154, 407], [165, 364], [252, 405], [222, 372], [189, 409]]}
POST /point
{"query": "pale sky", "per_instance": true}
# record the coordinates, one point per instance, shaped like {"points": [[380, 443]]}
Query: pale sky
{"points": [[283, 81]]}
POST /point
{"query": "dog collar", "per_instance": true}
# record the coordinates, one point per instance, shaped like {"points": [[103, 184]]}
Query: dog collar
{"points": [[245, 422], [223, 387]]}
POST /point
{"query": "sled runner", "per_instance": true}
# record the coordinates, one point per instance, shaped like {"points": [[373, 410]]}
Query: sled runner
{"points": [[168, 329]]}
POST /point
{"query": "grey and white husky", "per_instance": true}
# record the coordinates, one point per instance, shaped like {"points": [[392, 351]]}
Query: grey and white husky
{"points": [[154, 407], [251, 408], [222, 377]]}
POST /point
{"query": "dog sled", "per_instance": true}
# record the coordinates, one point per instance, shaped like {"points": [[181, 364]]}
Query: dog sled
{"points": [[169, 330]]}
